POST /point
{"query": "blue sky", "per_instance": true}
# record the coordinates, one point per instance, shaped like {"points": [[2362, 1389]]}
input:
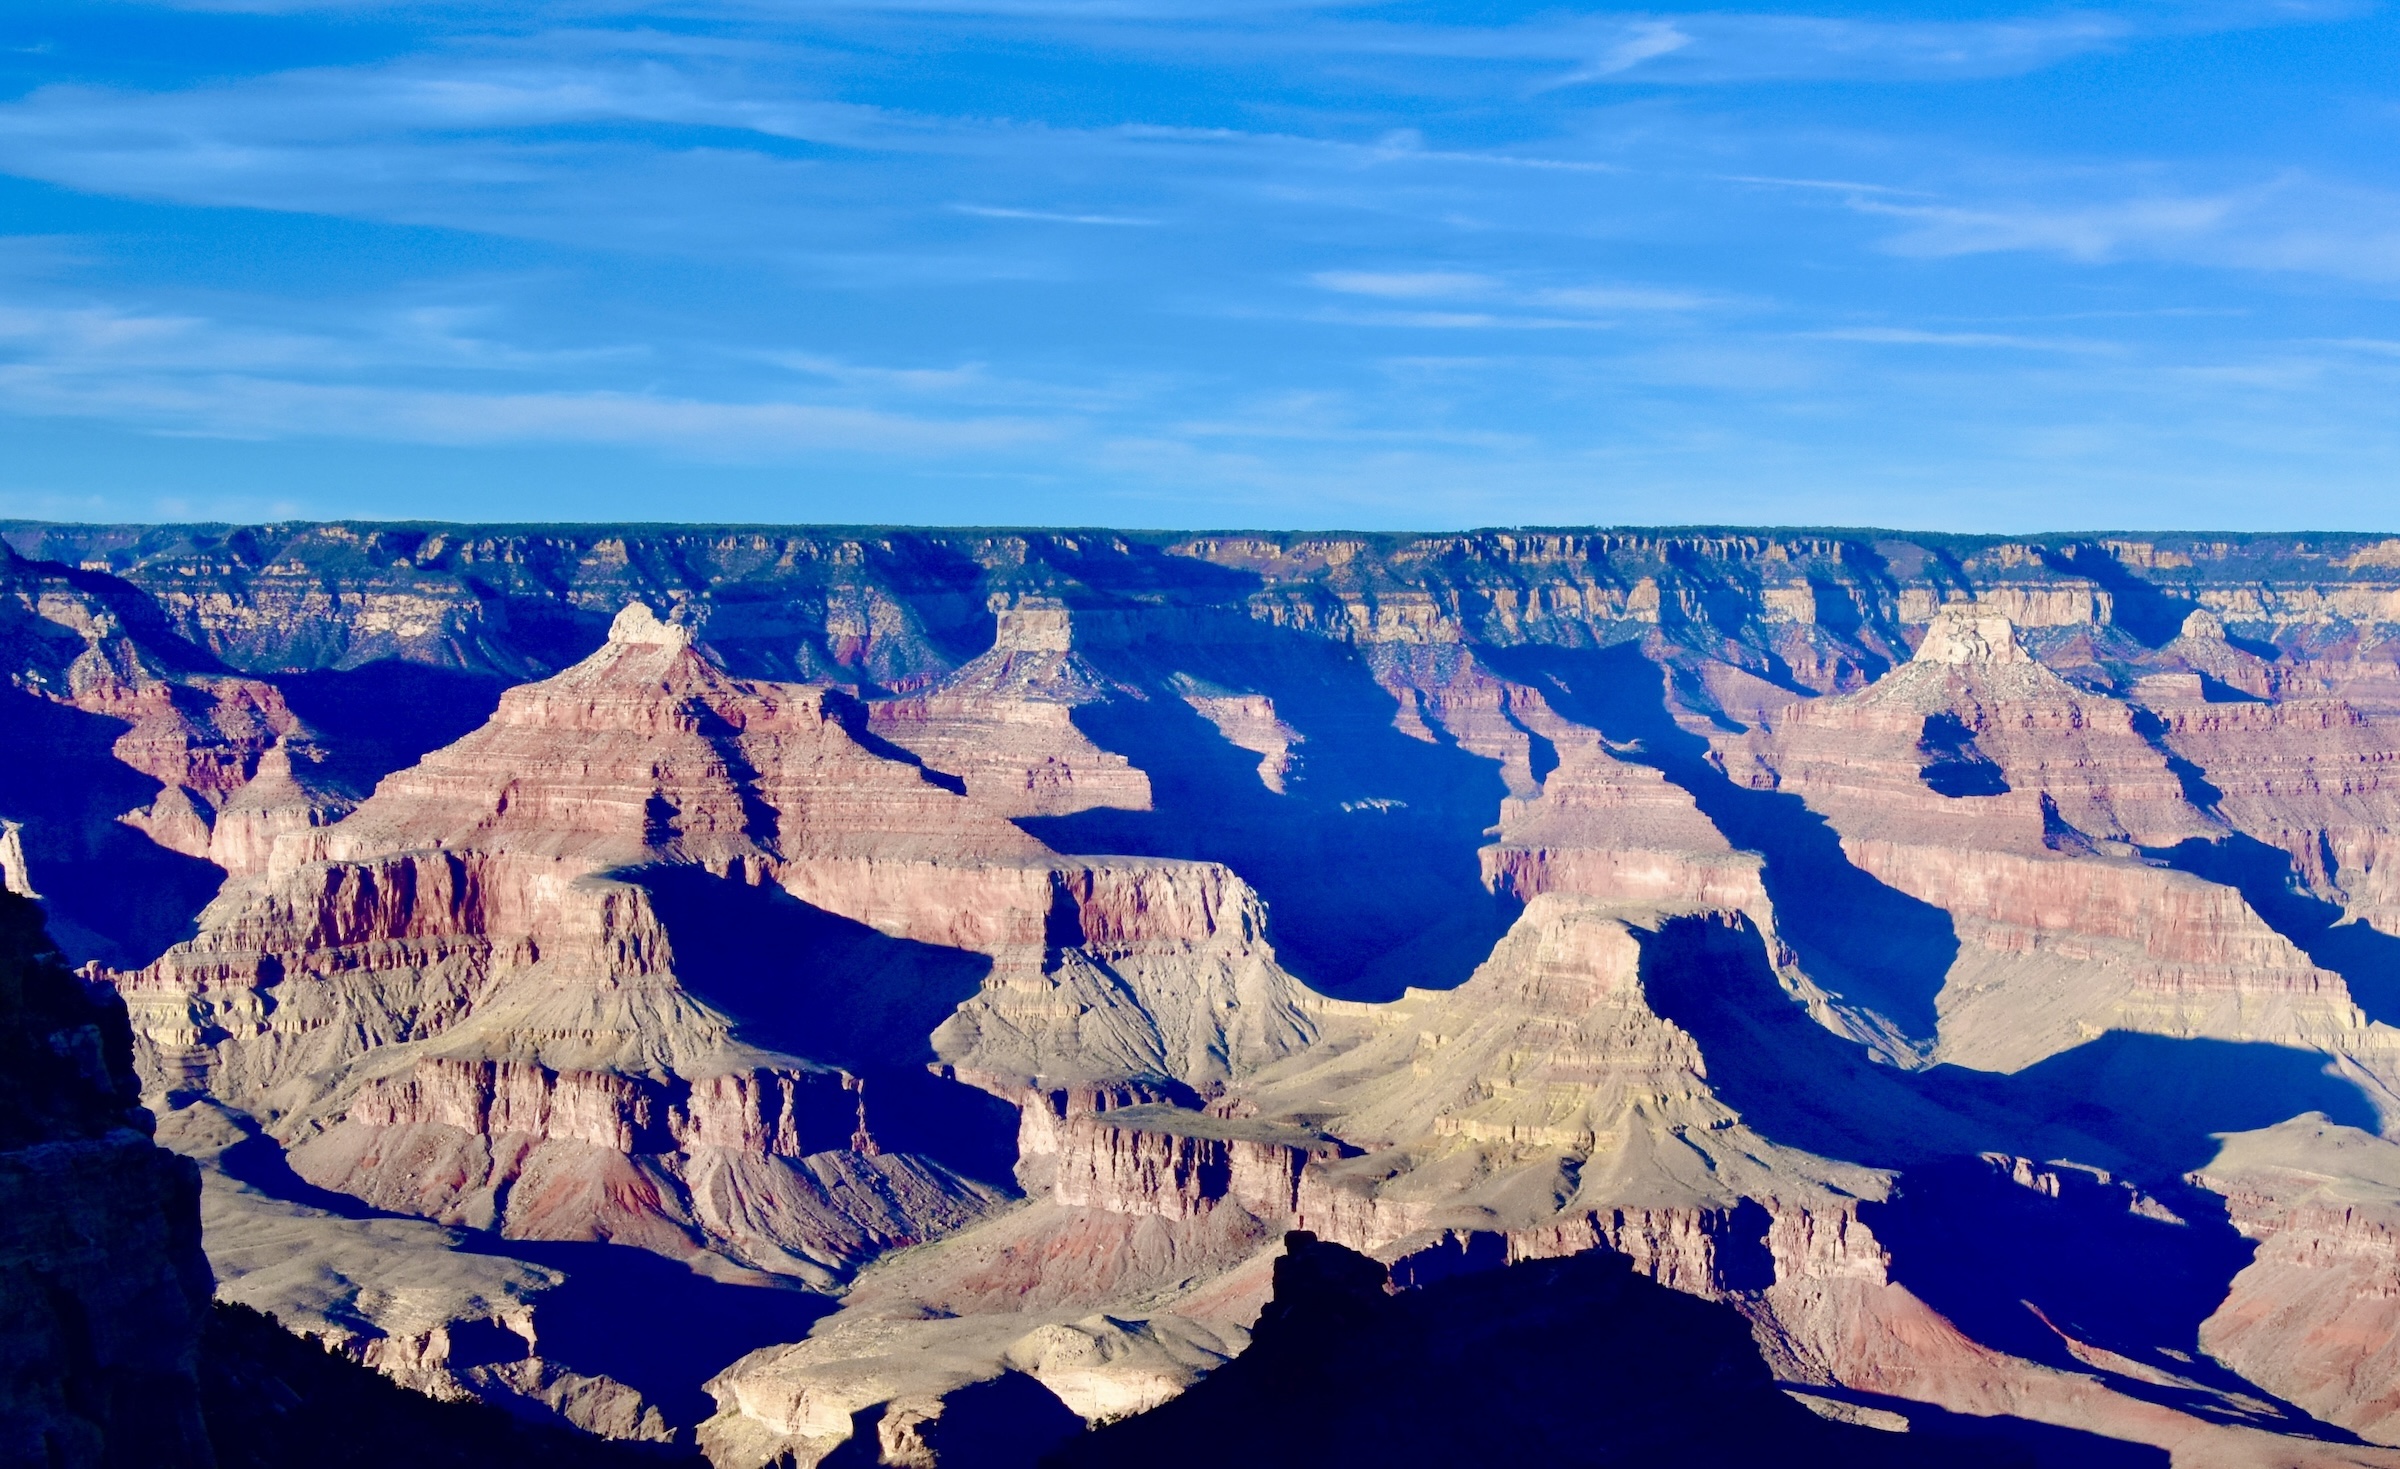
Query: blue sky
{"points": [[1202, 263]]}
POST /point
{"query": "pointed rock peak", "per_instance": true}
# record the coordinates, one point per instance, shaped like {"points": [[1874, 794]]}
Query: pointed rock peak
{"points": [[13, 876], [2204, 626], [638, 626], [1968, 632]]}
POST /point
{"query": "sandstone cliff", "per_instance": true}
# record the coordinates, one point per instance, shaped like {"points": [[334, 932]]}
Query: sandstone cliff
{"points": [[447, 1004], [115, 1356], [1981, 783]]}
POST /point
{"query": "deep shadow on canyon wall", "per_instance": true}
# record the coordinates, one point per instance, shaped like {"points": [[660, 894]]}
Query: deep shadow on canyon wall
{"points": [[1360, 796], [798, 979], [2114, 1247], [1568, 1361], [1864, 941]]}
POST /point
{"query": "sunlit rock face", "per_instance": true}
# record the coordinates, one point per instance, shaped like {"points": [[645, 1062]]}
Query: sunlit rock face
{"points": [[948, 965], [463, 1002], [2032, 813]]}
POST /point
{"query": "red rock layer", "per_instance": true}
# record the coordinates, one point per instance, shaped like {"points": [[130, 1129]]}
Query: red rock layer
{"points": [[1604, 828], [2315, 1317], [1004, 723], [2064, 930], [447, 1002], [2316, 778]]}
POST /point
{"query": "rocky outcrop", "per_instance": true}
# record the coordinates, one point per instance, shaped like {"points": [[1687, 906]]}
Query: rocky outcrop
{"points": [[2310, 1318], [1176, 1164], [1161, 972], [284, 793], [445, 1003], [1107, 1313], [1544, 1095], [115, 1355], [103, 1288], [279, 1400], [1248, 720], [1003, 724], [1606, 828], [1977, 781]]}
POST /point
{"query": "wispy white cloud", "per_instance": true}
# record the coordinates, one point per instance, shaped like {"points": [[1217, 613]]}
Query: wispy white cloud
{"points": [[1642, 40], [2290, 223], [1894, 336], [2378, 346], [2094, 232], [192, 375], [1506, 305], [1831, 186], [1404, 284], [1719, 48], [1457, 320], [1048, 216], [967, 387], [99, 340], [1394, 146], [394, 137], [1625, 298], [236, 406], [972, 376]]}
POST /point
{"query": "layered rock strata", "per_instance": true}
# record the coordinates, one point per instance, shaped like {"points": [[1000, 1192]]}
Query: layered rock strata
{"points": [[1550, 1064], [1979, 782], [460, 1002], [1544, 1109], [1003, 724], [2047, 823], [2309, 1317], [447, 1004], [2309, 776]]}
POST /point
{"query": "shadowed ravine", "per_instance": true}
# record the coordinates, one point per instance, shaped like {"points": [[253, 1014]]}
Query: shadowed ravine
{"points": [[690, 1326], [1570, 1361], [2005, 1261], [1361, 798], [1866, 942], [813, 984], [387, 715], [111, 893], [2367, 959]]}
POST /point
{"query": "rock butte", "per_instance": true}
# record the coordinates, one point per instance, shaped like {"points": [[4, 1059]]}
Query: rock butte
{"points": [[1970, 961]]}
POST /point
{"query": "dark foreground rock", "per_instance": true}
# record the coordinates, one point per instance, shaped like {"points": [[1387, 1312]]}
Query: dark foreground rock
{"points": [[1573, 1361], [111, 1355], [278, 1401]]}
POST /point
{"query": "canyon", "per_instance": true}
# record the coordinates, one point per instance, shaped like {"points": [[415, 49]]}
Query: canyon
{"points": [[882, 996]]}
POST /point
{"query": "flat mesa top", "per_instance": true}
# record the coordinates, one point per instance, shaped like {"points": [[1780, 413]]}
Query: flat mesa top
{"points": [[1183, 1122]]}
